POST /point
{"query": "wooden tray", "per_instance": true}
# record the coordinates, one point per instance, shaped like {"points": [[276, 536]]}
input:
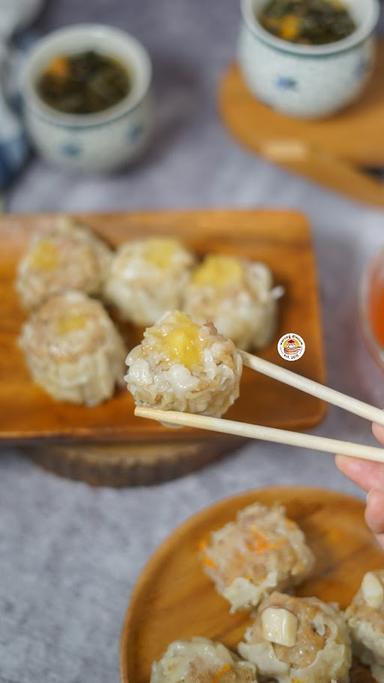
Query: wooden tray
{"points": [[64, 435], [129, 464], [173, 598], [332, 152]]}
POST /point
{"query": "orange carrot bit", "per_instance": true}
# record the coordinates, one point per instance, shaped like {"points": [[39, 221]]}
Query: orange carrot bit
{"points": [[201, 546], [59, 67], [208, 562], [259, 542], [225, 669]]}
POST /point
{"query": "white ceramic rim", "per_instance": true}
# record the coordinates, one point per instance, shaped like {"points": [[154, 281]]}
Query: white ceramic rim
{"points": [[129, 103], [361, 33]]}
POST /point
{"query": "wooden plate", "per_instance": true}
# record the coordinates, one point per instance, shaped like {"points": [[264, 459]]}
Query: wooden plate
{"points": [[281, 239], [174, 599], [333, 151], [64, 435]]}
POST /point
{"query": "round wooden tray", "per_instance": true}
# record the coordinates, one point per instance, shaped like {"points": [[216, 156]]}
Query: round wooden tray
{"points": [[173, 598], [128, 464], [333, 151]]}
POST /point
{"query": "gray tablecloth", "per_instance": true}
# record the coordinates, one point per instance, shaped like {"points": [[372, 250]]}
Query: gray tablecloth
{"points": [[69, 554]]}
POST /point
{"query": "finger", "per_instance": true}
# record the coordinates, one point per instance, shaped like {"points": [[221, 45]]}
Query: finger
{"points": [[374, 512], [366, 474], [378, 432]]}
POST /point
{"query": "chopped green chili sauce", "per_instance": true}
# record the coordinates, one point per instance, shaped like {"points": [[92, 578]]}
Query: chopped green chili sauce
{"points": [[83, 83], [308, 22]]}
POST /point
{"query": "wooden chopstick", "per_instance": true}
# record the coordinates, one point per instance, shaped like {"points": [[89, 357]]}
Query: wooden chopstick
{"points": [[309, 386], [250, 431]]}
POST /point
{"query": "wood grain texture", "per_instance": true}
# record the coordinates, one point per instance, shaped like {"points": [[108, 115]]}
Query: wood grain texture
{"points": [[64, 436], [281, 239], [174, 599], [123, 464], [329, 151]]}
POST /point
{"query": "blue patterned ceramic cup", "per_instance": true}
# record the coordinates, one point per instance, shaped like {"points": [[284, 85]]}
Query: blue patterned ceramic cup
{"points": [[308, 81], [91, 143]]}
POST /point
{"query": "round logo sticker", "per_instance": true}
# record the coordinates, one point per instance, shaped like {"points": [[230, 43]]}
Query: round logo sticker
{"points": [[291, 346]]}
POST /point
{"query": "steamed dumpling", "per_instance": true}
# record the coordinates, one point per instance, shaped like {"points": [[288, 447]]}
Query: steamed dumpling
{"points": [[66, 256], [73, 349], [298, 639], [365, 617], [182, 366], [147, 278], [237, 296], [260, 552], [200, 660]]}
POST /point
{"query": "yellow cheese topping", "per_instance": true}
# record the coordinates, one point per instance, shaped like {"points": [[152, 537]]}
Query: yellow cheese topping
{"points": [[160, 251], [45, 256], [219, 271], [182, 343], [71, 323]]}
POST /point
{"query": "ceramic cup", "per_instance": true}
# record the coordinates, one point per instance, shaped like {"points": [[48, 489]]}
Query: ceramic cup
{"points": [[92, 143], [308, 81]]}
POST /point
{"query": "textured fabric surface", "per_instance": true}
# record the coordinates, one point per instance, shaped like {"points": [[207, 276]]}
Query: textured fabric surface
{"points": [[69, 554], [15, 15]]}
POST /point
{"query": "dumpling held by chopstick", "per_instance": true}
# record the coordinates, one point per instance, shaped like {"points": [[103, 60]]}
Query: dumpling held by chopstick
{"points": [[182, 366]]}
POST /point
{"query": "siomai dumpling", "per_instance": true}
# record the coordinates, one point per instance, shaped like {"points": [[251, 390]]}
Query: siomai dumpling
{"points": [[73, 349], [147, 278], [201, 661], [67, 256], [237, 296], [182, 366], [298, 640], [365, 617], [260, 552]]}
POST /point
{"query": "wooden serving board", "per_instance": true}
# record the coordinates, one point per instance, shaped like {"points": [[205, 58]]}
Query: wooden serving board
{"points": [[174, 599], [129, 463], [333, 152], [106, 444]]}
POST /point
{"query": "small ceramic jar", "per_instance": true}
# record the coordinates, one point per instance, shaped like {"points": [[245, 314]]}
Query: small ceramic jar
{"points": [[92, 143], [308, 81]]}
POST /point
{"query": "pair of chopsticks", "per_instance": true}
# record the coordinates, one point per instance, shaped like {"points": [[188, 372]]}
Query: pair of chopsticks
{"points": [[250, 431]]}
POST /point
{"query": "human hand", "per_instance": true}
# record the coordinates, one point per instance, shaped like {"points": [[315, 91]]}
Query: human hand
{"points": [[370, 477]]}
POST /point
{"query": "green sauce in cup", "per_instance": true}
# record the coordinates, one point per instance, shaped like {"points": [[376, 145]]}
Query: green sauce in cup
{"points": [[307, 22], [83, 83]]}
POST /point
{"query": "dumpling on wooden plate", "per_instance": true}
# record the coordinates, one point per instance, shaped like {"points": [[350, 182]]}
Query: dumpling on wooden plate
{"points": [[200, 660], [66, 256], [365, 617], [147, 278], [237, 296], [73, 349], [182, 366], [298, 640], [260, 552]]}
